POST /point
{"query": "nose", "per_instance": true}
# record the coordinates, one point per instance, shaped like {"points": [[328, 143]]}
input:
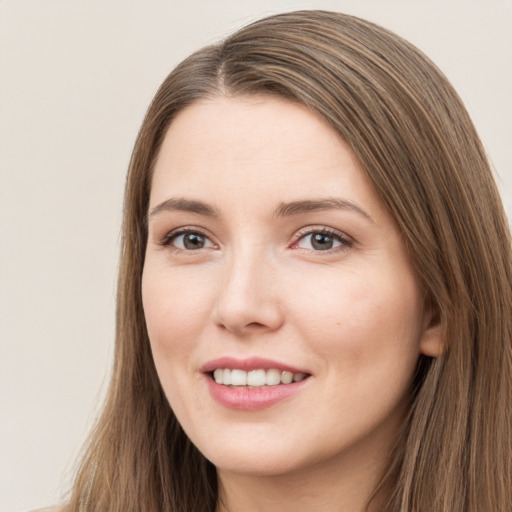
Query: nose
{"points": [[248, 297]]}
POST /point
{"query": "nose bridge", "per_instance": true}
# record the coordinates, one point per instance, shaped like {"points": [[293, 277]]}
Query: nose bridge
{"points": [[247, 298]]}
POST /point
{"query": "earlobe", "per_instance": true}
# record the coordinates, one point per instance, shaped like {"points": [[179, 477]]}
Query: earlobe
{"points": [[432, 341]]}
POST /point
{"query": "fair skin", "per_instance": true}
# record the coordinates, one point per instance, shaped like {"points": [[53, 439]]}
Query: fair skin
{"points": [[269, 247]]}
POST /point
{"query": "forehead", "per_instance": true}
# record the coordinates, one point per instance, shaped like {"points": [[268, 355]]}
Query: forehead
{"points": [[266, 125], [256, 146]]}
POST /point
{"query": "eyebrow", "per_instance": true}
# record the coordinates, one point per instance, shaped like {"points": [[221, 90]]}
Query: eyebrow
{"points": [[182, 204], [332, 203], [283, 210]]}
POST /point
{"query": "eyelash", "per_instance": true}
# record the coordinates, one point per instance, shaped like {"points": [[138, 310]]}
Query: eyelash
{"points": [[173, 235], [344, 241]]}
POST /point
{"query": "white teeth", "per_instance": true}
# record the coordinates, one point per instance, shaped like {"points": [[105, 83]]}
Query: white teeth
{"points": [[238, 378], [255, 378], [286, 377], [273, 377]]}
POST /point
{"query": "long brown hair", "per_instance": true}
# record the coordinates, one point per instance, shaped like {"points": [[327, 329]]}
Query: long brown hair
{"points": [[415, 140]]}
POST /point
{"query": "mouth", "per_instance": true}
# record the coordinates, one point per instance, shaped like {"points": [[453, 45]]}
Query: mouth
{"points": [[257, 378], [253, 384]]}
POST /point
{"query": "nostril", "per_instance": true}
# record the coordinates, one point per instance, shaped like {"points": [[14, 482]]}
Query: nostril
{"points": [[255, 325]]}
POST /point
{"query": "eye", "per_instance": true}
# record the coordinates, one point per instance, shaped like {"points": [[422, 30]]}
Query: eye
{"points": [[188, 240], [322, 240]]}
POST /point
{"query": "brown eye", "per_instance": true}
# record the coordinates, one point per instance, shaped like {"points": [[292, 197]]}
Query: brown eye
{"points": [[189, 241], [322, 241], [193, 241]]}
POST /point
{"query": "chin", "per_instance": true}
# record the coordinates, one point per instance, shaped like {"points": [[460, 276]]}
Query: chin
{"points": [[256, 460], [255, 466], [250, 458]]}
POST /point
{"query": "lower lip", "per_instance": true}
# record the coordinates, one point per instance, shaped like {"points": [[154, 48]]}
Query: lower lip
{"points": [[247, 399]]}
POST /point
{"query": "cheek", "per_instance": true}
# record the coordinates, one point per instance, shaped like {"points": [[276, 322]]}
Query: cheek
{"points": [[174, 309], [365, 334], [363, 318], [175, 302]]}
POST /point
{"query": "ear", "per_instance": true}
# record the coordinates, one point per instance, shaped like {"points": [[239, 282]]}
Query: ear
{"points": [[432, 342]]}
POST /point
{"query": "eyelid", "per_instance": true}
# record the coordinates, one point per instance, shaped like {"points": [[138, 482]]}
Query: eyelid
{"points": [[346, 240], [168, 238]]}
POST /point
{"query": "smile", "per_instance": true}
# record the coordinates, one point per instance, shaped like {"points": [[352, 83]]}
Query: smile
{"points": [[255, 378], [253, 384]]}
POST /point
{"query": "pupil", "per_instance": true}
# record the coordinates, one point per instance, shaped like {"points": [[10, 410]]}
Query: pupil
{"points": [[193, 241], [321, 242]]}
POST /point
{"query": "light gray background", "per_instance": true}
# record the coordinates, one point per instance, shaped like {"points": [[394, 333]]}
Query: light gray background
{"points": [[75, 80]]}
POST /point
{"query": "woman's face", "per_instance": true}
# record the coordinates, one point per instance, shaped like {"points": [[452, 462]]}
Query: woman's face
{"points": [[273, 268]]}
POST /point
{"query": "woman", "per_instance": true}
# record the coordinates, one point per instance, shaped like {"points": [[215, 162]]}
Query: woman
{"points": [[315, 291]]}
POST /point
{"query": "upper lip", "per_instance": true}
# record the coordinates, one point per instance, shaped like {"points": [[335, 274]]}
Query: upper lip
{"points": [[248, 364]]}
